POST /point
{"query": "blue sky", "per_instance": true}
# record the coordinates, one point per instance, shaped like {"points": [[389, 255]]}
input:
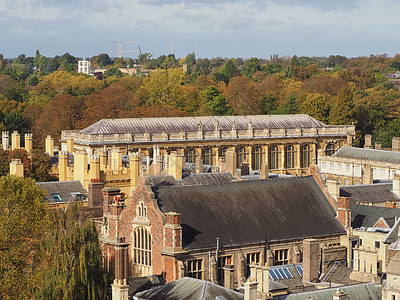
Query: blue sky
{"points": [[210, 28]]}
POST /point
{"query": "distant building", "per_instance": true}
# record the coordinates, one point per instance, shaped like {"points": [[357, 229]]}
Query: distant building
{"points": [[84, 67]]}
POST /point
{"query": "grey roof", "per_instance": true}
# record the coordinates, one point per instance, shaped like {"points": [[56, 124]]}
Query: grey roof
{"points": [[365, 193], [250, 211], [364, 291], [392, 238], [189, 289], [366, 216], [139, 284], [178, 124], [368, 154], [62, 188], [192, 179]]}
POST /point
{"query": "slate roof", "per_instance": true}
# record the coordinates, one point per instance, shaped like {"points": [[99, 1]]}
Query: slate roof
{"points": [[62, 188], [354, 292], [250, 211], [366, 216], [393, 238], [189, 289], [192, 179], [365, 193], [368, 154], [178, 124]]}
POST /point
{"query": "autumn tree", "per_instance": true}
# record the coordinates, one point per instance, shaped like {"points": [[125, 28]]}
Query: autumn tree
{"points": [[22, 222], [343, 109], [214, 102], [315, 105], [242, 96]]}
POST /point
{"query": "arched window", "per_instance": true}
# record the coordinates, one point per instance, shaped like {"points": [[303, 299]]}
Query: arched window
{"points": [[190, 156], [274, 157], [241, 156], [208, 156], [142, 246], [329, 149], [305, 156], [258, 158], [290, 156], [222, 152]]}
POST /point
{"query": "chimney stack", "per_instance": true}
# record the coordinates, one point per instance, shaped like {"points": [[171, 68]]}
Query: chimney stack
{"points": [[5, 140], [17, 168], [367, 174], [50, 145], [28, 143], [264, 172], [199, 164], [230, 161], [175, 163], [333, 188], [344, 212], [396, 184], [250, 290], [95, 195], [378, 146], [368, 141], [396, 144], [15, 140], [310, 260]]}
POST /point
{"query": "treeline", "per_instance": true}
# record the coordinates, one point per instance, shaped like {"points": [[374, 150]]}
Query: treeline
{"points": [[46, 95]]}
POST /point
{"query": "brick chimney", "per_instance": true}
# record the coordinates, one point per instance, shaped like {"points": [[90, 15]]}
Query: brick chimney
{"points": [[368, 141], [175, 163], [108, 197], [344, 212], [367, 174], [396, 144], [95, 195], [172, 233], [310, 260], [396, 184]]}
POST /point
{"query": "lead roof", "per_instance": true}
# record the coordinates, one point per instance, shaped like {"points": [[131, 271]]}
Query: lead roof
{"points": [[250, 211], [368, 154], [191, 124], [366, 193]]}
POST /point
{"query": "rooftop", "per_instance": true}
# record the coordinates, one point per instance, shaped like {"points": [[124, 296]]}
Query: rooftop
{"points": [[368, 154]]}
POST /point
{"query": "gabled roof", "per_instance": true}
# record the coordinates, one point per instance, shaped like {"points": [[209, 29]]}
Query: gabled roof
{"points": [[393, 238], [366, 193], [366, 216], [191, 124], [250, 211], [189, 289], [65, 189], [368, 154]]}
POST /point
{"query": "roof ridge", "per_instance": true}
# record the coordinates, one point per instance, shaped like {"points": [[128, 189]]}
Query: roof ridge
{"points": [[203, 295]]}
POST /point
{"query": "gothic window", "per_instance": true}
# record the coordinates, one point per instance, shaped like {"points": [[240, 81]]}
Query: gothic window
{"points": [[222, 152], [190, 156], [252, 259], [281, 257], [142, 246], [329, 149], [241, 156], [208, 156], [195, 268], [290, 155], [257, 158], [305, 156], [142, 210], [274, 157], [222, 261]]}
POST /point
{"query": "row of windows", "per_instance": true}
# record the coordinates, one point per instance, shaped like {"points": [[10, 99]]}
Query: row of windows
{"points": [[258, 156]]}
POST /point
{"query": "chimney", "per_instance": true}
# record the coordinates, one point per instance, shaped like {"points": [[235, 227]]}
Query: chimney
{"points": [[396, 184], [5, 140], [103, 160], [70, 145], [134, 169], [62, 166], [199, 164], [350, 140], [368, 141], [175, 163], [344, 212], [231, 162], [264, 172], [229, 280], [17, 168], [80, 165], [333, 188], [95, 195], [367, 174], [121, 261], [378, 145], [109, 193], [396, 144], [28, 143], [172, 232], [120, 290], [50, 145], [95, 167], [310, 260], [15, 140], [390, 204], [116, 159], [250, 290]]}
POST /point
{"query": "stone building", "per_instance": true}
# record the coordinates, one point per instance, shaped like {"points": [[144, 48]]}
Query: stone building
{"points": [[288, 144], [215, 231]]}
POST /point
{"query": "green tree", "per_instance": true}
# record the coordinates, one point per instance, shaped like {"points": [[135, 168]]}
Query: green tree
{"points": [[112, 72], [227, 71], [72, 268], [41, 166], [343, 110], [316, 106], [250, 67], [22, 222], [215, 102]]}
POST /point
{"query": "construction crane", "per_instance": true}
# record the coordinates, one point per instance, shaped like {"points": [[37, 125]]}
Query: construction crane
{"points": [[171, 47], [120, 47]]}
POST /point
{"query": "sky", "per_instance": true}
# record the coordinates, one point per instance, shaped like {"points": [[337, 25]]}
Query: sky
{"points": [[209, 28]]}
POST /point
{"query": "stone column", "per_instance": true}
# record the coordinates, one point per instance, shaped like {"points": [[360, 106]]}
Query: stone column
{"points": [[249, 150]]}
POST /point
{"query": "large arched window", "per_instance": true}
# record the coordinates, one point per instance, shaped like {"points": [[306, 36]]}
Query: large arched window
{"points": [[208, 156], [305, 159], [142, 247], [274, 157], [241, 156], [329, 149], [290, 157], [190, 156], [257, 158], [222, 152]]}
